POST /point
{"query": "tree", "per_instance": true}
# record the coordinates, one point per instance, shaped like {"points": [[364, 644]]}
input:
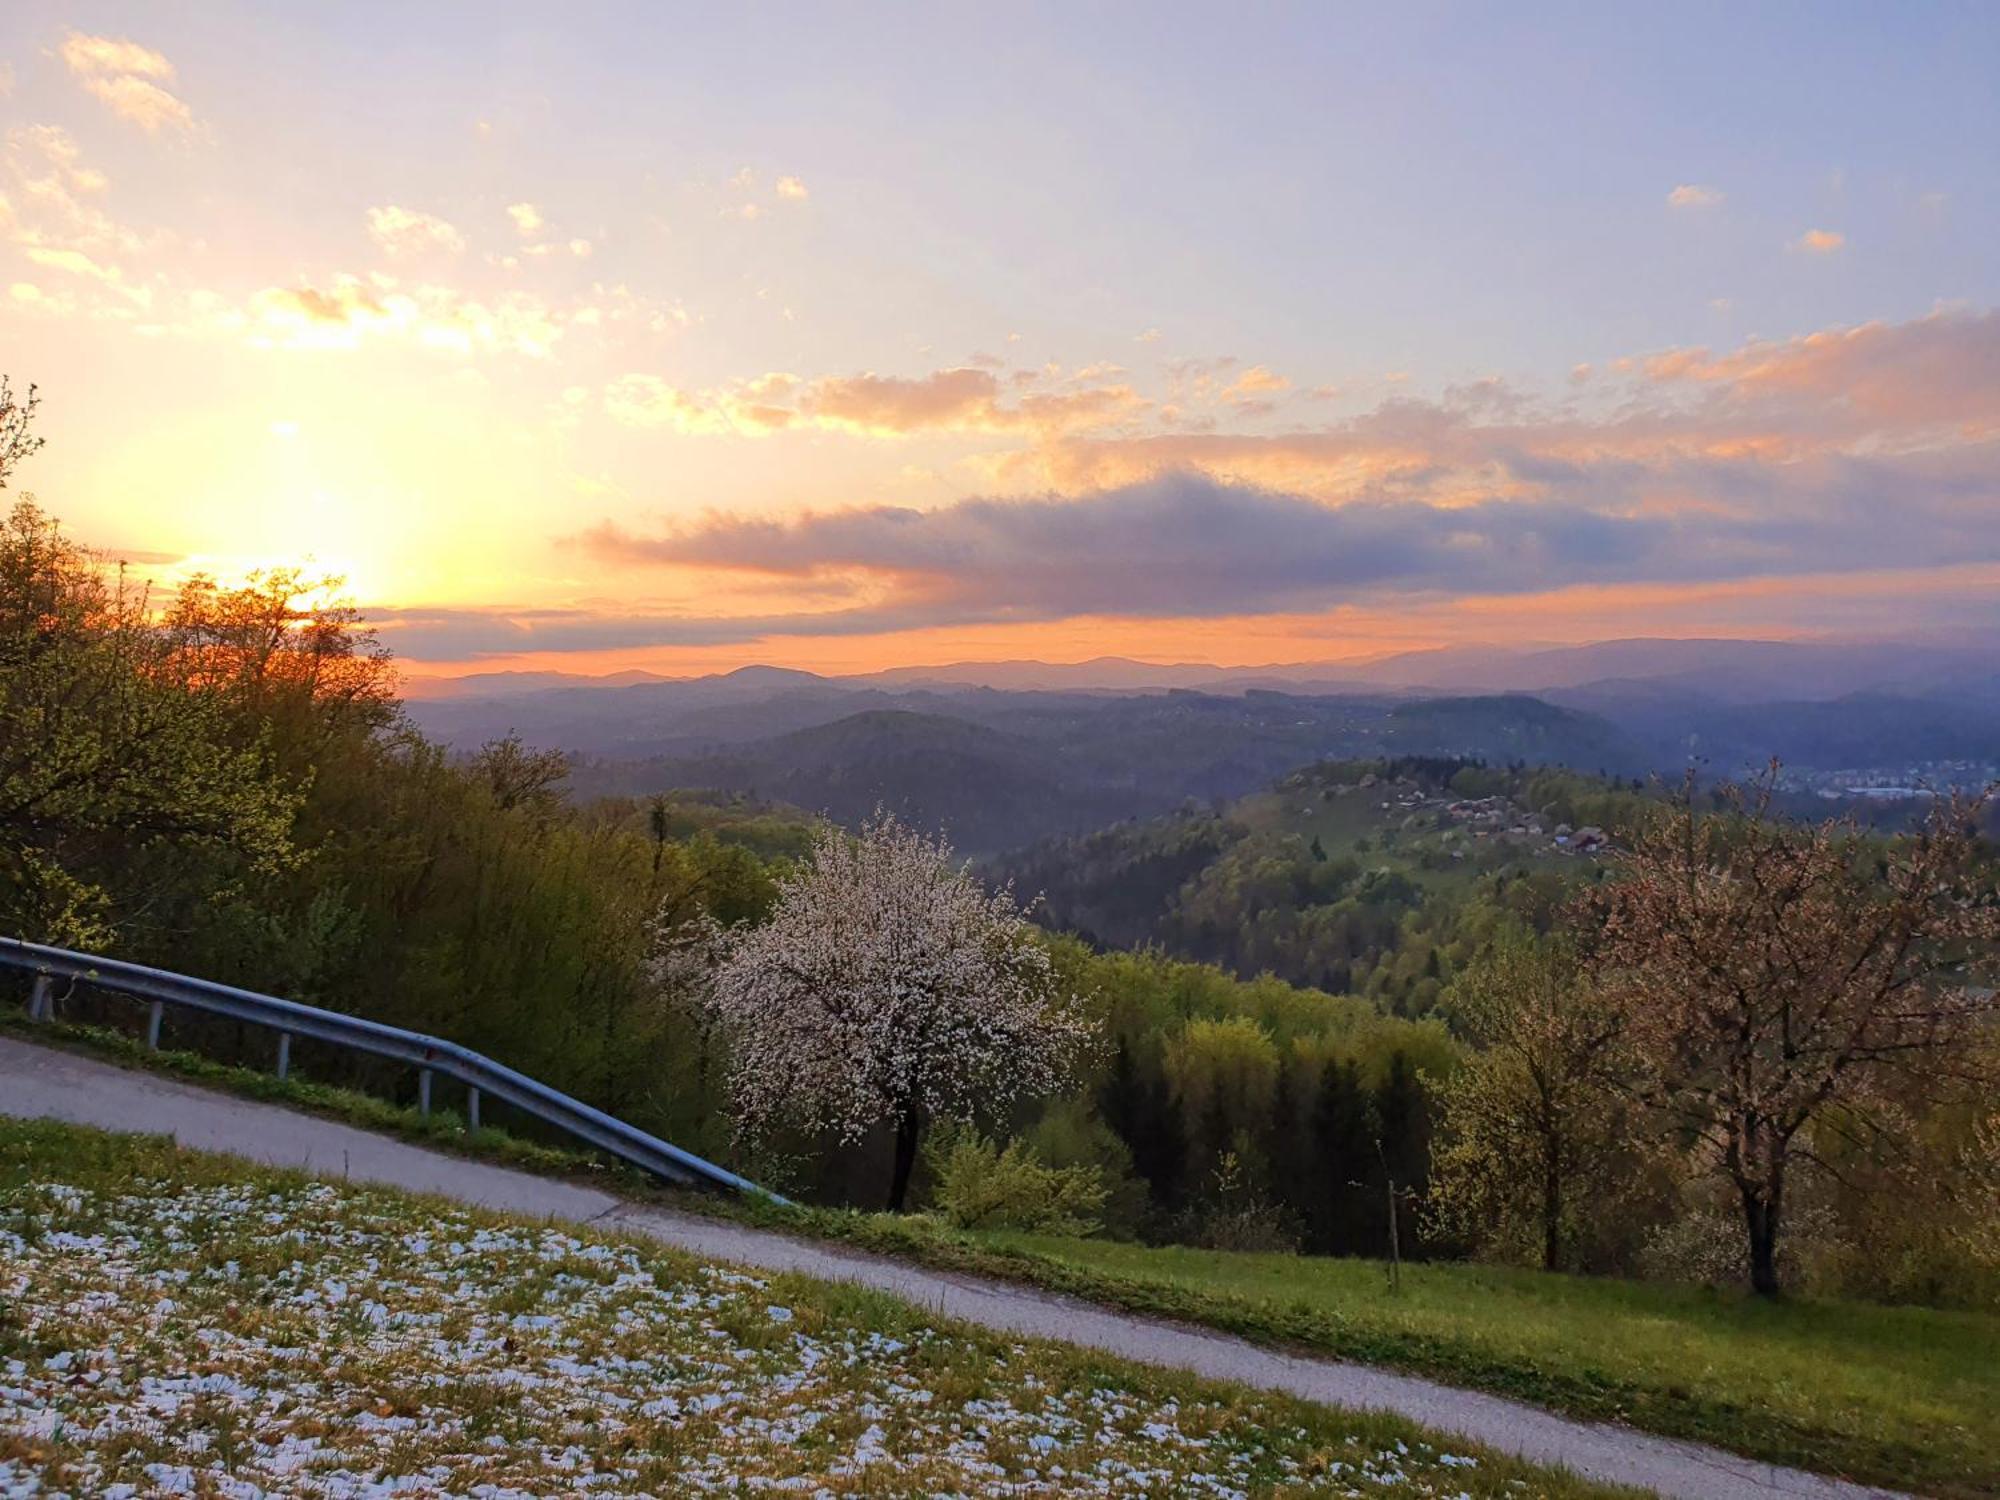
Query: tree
{"points": [[1531, 1115], [292, 662], [519, 777], [888, 985], [17, 420], [1344, 1134], [121, 794], [1775, 978]]}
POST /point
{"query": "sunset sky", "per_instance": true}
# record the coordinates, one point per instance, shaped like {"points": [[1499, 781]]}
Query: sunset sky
{"points": [[597, 336]]}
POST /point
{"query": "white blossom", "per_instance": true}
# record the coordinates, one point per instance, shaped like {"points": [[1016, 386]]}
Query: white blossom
{"points": [[889, 984]]}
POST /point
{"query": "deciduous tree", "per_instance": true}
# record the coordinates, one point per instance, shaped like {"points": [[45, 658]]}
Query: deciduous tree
{"points": [[888, 985], [1773, 977], [1531, 1115]]}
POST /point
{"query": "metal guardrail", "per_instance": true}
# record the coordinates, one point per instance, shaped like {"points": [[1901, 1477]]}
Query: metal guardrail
{"points": [[430, 1055]]}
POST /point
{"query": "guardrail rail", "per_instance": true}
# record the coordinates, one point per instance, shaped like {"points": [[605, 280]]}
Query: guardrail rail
{"points": [[429, 1055]]}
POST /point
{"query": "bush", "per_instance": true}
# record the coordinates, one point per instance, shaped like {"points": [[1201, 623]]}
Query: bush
{"points": [[1070, 1136], [1239, 1217], [979, 1185]]}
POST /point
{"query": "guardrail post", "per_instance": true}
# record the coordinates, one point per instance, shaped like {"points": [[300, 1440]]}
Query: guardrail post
{"points": [[284, 1055], [153, 1015], [40, 998], [424, 1092], [472, 1109]]}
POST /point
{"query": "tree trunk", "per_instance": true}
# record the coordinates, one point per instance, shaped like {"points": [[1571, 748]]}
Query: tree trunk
{"points": [[1761, 1203], [909, 1128], [1552, 1212]]}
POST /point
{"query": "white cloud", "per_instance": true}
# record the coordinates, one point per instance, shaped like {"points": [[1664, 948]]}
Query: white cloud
{"points": [[527, 218], [405, 231]]}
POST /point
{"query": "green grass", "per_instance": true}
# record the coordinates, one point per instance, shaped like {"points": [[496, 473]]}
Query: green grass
{"points": [[1900, 1396], [1889, 1395], [172, 1320]]}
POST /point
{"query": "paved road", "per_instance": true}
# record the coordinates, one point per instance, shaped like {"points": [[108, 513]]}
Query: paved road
{"points": [[42, 1082]]}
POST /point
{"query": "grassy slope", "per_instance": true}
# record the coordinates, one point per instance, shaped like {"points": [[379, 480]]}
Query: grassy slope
{"points": [[1900, 1396], [168, 1319], [1889, 1395]]}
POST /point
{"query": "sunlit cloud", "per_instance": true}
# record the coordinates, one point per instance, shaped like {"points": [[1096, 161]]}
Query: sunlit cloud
{"points": [[791, 187], [408, 232], [966, 400], [349, 311], [1251, 392], [527, 218], [129, 78], [1820, 241], [1694, 195]]}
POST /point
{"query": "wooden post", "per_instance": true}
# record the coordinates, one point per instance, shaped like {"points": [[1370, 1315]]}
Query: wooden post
{"points": [[1395, 1238], [40, 1002], [472, 1109], [424, 1092], [284, 1055], [154, 1012]]}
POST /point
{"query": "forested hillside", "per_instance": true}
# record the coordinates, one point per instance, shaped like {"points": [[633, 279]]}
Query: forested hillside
{"points": [[999, 769], [1380, 878]]}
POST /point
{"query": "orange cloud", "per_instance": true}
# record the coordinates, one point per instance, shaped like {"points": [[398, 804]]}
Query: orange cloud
{"points": [[1877, 379], [1820, 241]]}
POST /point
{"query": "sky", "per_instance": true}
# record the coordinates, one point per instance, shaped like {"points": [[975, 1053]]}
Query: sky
{"points": [[633, 335]]}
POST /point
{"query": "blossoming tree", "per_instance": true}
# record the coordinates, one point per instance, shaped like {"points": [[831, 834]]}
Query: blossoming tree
{"points": [[889, 985]]}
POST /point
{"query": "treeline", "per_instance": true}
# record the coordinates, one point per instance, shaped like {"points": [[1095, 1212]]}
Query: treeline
{"points": [[1247, 1114]]}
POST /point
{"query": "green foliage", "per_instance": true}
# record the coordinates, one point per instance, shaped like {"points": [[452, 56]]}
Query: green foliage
{"points": [[1533, 1124], [978, 1185], [128, 802]]}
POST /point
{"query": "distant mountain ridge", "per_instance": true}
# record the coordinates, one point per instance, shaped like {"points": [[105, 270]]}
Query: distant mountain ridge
{"points": [[1731, 668], [1062, 749]]}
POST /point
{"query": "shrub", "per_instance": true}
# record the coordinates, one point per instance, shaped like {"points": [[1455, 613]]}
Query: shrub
{"points": [[1069, 1135], [1239, 1217], [979, 1185]]}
